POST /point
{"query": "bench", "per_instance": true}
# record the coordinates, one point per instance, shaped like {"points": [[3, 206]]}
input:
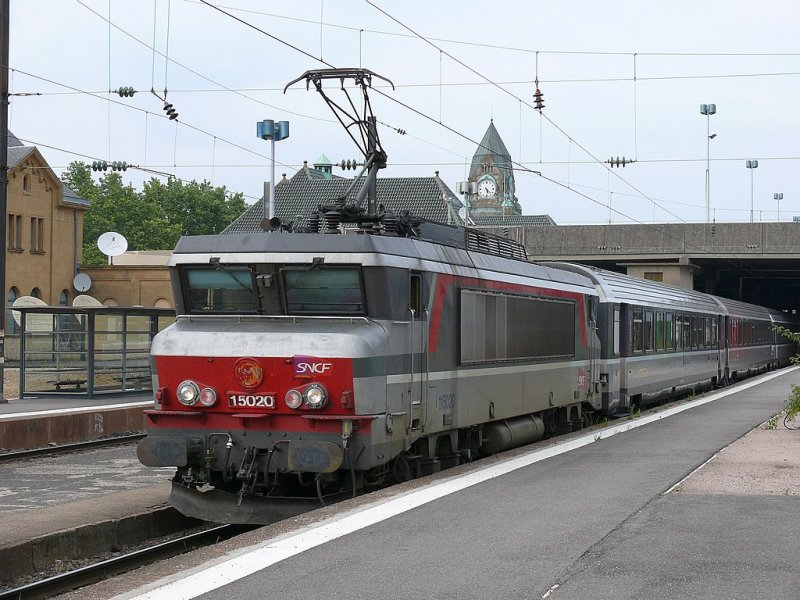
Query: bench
{"points": [[78, 384]]}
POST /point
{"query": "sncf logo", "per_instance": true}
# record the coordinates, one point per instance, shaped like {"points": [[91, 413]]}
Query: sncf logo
{"points": [[309, 365], [314, 368]]}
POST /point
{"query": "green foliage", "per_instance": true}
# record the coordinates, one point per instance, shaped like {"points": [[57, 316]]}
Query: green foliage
{"points": [[793, 402], [152, 219]]}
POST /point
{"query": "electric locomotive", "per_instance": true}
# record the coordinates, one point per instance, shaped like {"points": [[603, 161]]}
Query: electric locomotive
{"points": [[308, 365]]}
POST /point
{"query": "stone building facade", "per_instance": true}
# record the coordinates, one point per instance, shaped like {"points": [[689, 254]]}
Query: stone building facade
{"points": [[44, 231]]}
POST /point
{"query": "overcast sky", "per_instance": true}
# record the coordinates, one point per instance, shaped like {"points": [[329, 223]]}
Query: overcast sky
{"points": [[223, 77]]}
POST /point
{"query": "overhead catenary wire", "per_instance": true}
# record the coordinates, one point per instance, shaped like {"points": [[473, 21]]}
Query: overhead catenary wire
{"points": [[200, 75], [131, 166], [507, 92], [136, 108], [500, 46], [458, 133], [443, 84]]}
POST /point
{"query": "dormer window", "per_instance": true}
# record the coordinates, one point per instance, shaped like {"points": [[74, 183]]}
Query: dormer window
{"points": [[26, 184]]}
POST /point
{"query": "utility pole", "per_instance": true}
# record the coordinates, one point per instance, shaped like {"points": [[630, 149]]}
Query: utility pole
{"points": [[4, 23]]}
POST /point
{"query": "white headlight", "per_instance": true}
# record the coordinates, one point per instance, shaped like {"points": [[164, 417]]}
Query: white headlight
{"points": [[315, 396], [293, 399], [208, 397], [188, 393]]}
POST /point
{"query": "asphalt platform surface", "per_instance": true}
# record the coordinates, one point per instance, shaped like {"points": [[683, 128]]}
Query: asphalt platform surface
{"points": [[605, 520]]}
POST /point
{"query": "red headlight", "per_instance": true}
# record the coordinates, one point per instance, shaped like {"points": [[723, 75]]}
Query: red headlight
{"points": [[293, 399], [208, 397]]}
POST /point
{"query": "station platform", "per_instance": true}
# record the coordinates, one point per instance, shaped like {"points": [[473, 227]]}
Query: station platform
{"points": [[37, 422], [612, 512]]}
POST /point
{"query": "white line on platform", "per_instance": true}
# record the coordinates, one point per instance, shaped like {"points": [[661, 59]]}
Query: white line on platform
{"points": [[222, 571], [82, 409]]}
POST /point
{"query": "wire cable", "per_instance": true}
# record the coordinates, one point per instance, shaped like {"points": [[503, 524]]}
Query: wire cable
{"points": [[182, 122]]}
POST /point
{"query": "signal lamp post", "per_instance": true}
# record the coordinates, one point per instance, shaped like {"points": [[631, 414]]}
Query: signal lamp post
{"points": [[274, 132], [778, 197]]}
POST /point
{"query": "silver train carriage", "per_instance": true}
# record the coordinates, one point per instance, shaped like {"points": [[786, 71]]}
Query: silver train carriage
{"points": [[310, 365], [659, 340]]}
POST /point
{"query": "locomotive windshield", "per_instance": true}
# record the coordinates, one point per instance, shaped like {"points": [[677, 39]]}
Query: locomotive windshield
{"points": [[221, 290], [324, 290], [304, 290]]}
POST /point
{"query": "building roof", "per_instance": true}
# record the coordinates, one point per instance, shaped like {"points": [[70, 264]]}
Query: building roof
{"points": [[425, 197], [71, 196], [18, 152], [492, 144], [13, 140]]}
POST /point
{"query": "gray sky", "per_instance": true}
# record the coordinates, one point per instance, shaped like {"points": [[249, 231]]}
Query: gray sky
{"points": [[223, 76]]}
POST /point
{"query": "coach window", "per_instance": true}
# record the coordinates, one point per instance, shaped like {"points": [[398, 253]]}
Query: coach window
{"points": [[616, 331], [687, 332], [659, 331], [714, 333], [648, 330], [638, 344], [669, 331], [707, 333]]}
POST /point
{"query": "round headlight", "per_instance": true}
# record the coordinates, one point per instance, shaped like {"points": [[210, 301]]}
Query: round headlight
{"points": [[208, 397], [293, 399], [188, 393], [315, 396]]}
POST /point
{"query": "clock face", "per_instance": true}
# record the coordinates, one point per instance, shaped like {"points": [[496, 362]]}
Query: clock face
{"points": [[487, 188]]}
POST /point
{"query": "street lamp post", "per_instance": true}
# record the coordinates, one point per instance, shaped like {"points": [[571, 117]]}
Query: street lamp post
{"points": [[752, 165], [708, 110], [274, 132], [778, 196]]}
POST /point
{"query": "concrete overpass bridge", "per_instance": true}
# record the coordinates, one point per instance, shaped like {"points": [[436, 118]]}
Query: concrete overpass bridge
{"points": [[752, 262]]}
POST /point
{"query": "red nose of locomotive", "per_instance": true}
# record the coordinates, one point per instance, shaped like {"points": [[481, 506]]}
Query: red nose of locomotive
{"points": [[305, 403], [254, 387]]}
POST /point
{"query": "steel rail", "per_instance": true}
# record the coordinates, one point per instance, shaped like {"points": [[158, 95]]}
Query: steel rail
{"points": [[65, 448], [93, 573]]}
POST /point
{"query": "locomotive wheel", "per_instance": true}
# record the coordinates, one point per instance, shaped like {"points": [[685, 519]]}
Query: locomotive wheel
{"points": [[404, 468]]}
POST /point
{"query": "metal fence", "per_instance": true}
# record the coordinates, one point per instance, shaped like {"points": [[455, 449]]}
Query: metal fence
{"points": [[87, 351]]}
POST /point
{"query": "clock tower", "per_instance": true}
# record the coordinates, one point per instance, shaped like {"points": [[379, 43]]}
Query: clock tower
{"points": [[493, 175]]}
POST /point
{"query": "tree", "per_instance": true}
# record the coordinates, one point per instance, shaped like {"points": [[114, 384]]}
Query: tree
{"points": [[153, 219], [199, 208]]}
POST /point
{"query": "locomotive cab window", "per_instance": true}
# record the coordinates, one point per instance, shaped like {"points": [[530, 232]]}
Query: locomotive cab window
{"points": [[323, 290], [218, 290]]}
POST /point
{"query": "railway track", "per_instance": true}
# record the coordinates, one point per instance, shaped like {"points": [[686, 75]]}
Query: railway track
{"points": [[66, 448], [98, 571]]}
